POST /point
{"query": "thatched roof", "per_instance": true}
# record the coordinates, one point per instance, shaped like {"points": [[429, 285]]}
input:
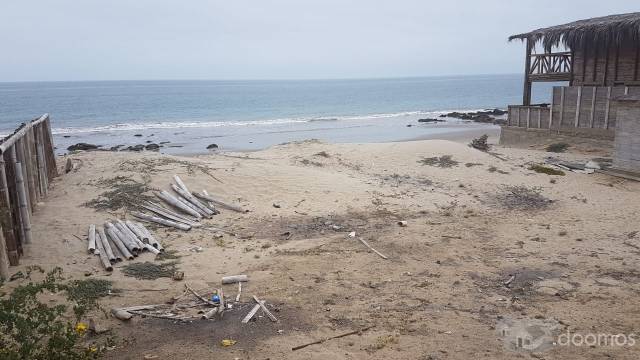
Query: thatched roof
{"points": [[612, 29]]}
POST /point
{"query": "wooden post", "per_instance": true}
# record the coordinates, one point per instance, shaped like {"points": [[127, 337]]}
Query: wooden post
{"points": [[42, 166], [30, 159], [526, 94], [13, 199], [4, 259], [528, 116], [6, 220], [551, 111], [20, 155], [578, 103], [593, 106], [49, 150], [606, 108], [539, 117], [636, 63], [25, 219]]}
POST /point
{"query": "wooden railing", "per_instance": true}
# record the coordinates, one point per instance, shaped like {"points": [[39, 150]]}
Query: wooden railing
{"points": [[530, 117], [27, 167], [551, 67]]}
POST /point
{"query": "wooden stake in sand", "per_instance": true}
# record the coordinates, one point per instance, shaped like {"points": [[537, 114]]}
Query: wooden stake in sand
{"points": [[219, 202], [372, 249], [171, 200], [91, 247], [264, 308], [332, 337], [103, 257], [161, 221]]}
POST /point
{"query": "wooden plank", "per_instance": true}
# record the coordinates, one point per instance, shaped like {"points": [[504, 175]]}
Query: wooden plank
{"points": [[593, 106], [561, 106], [607, 107], [578, 103]]}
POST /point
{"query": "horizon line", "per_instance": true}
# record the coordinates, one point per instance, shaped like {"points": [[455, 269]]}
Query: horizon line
{"points": [[264, 79]]}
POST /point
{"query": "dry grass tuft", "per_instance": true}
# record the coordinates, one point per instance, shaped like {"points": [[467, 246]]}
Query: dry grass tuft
{"points": [[444, 161]]}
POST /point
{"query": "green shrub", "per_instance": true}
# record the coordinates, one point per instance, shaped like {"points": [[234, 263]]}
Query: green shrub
{"points": [[31, 329], [558, 147]]}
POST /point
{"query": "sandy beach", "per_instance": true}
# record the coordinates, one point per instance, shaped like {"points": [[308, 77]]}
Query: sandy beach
{"points": [[472, 254]]}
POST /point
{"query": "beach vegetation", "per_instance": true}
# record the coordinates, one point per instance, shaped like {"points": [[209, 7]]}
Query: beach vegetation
{"points": [[444, 161], [557, 147], [546, 170]]}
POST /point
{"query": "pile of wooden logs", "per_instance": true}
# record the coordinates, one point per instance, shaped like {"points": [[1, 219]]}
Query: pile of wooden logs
{"points": [[27, 167], [119, 240], [185, 209]]}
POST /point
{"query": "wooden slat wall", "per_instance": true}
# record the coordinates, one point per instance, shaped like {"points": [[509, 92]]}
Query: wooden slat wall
{"points": [[32, 146], [606, 65]]}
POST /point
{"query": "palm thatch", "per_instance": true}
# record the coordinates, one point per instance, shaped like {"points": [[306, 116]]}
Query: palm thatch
{"points": [[612, 29]]}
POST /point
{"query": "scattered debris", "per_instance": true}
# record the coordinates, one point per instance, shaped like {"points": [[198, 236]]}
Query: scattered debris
{"points": [[546, 170], [444, 161], [523, 198], [480, 143], [402, 223], [359, 331], [372, 249]]}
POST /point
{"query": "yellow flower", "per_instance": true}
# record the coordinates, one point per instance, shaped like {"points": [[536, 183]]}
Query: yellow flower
{"points": [[93, 348], [81, 328]]}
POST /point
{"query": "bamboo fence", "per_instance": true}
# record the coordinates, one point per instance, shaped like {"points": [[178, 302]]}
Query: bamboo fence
{"points": [[27, 167]]}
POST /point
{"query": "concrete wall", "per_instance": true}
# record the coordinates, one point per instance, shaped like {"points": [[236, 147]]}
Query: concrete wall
{"points": [[627, 141]]}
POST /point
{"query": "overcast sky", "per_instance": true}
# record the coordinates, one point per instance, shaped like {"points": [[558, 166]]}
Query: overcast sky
{"points": [[279, 39]]}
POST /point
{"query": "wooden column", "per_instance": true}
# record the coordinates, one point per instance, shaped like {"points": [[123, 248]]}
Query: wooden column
{"points": [[6, 220], [578, 103], [636, 63], [526, 94]]}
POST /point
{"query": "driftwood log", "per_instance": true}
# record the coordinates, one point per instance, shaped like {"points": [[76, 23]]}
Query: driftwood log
{"points": [[161, 221]]}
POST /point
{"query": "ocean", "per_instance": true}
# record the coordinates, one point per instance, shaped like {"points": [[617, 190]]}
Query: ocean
{"points": [[186, 116]]}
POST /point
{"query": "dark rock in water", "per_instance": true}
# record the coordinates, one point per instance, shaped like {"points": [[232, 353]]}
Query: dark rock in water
{"points": [[409, 125], [82, 146], [115, 148], [138, 135], [148, 141], [212, 146], [66, 136], [164, 142], [486, 116], [138, 147], [152, 147], [430, 120], [175, 146], [500, 121]]}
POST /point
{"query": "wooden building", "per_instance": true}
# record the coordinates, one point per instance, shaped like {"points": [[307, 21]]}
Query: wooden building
{"points": [[601, 64]]}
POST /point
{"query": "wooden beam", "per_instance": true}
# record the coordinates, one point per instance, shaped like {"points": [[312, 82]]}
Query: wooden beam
{"points": [[526, 94]]}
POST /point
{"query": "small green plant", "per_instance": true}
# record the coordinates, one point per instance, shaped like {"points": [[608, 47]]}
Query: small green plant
{"points": [[150, 271], [32, 329], [558, 147]]}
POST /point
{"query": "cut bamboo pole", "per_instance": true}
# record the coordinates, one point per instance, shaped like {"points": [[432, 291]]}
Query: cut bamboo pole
{"points": [[6, 220], [152, 240], [180, 183], [50, 151], [192, 207], [110, 230], [129, 244], [171, 200], [239, 292], [151, 249], [15, 201], [30, 162], [220, 202], [114, 249], [104, 258], [173, 212], [211, 205], [20, 154], [137, 231], [42, 172], [161, 221], [127, 232], [25, 219], [4, 259], [193, 200], [234, 279], [170, 215], [105, 245], [91, 247]]}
